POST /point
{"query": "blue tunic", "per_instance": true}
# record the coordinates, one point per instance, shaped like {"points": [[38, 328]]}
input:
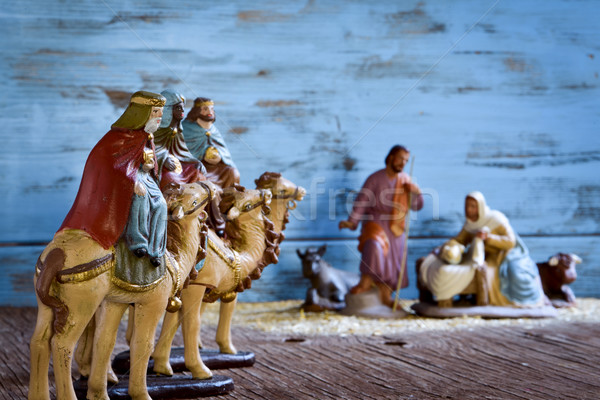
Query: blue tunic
{"points": [[198, 142], [147, 223]]}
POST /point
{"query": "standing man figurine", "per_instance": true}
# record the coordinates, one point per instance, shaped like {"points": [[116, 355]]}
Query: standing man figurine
{"points": [[206, 143], [120, 175], [382, 205]]}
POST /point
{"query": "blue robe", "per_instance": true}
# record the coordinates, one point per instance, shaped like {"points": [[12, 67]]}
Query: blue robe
{"points": [[198, 142], [519, 277], [147, 223]]}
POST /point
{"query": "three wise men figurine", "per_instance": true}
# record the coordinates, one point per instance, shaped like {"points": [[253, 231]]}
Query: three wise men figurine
{"points": [[175, 161], [207, 144]]}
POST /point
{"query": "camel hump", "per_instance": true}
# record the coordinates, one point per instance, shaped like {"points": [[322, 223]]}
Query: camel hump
{"points": [[78, 248]]}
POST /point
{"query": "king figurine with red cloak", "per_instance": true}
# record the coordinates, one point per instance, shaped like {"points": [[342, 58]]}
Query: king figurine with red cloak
{"points": [[115, 181]]}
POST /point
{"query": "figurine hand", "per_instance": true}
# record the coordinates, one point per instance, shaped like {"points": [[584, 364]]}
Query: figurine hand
{"points": [[347, 225], [404, 179], [414, 188], [170, 164], [482, 235], [212, 155], [139, 189]]}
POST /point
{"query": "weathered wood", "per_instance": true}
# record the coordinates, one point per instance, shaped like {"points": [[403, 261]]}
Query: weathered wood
{"points": [[488, 95], [284, 280], [556, 360], [499, 112]]}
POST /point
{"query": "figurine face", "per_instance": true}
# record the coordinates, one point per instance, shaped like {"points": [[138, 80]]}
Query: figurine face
{"points": [[154, 120], [399, 161], [178, 112], [471, 209], [207, 113]]}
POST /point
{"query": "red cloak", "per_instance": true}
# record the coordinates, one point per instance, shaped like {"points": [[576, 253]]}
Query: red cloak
{"points": [[102, 205]]}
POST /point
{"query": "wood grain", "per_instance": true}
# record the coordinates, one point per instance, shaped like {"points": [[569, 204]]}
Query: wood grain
{"points": [[512, 362]]}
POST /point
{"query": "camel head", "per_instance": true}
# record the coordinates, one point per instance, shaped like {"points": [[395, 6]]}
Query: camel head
{"points": [[189, 199], [281, 188], [237, 201]]}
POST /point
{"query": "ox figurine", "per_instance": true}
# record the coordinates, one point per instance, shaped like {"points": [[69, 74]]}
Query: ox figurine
{"points": [[556, 274], [328, 285]]}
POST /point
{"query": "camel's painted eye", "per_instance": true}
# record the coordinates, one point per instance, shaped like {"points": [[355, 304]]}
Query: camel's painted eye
{"points": [[195, 203], [282, 191], [248, 207]]}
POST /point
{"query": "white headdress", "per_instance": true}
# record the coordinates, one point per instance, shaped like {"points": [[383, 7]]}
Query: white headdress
{"points": [[488, 218]]}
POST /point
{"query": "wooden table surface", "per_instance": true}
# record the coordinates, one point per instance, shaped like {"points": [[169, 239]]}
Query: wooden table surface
{"points": [[557, 361]]}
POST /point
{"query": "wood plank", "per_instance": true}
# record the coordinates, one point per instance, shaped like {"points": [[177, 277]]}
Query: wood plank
{"points": [[509, 108], [284, 280], [486, 95], [555, 360]]}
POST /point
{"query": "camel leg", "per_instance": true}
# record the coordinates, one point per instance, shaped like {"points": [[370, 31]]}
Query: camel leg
{"points": [[192, 302], [83, 352], [162, 351], [204, 305], [224, 327], [111, 377], [109, 316], [130, 319], [39, 350], [147, 317], [63, 344]]}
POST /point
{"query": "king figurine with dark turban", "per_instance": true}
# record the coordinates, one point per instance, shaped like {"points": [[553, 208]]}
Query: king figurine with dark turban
{"points": [[175, 161]]}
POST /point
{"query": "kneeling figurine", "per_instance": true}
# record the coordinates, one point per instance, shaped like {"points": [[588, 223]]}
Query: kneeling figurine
{"points": [[496, 266]]}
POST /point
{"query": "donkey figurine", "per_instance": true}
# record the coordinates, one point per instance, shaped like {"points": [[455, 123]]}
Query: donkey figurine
{"points": [[328, 285]]}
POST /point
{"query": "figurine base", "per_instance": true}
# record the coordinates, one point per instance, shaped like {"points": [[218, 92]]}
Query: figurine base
{"points": [[433, 311], [369, 305], [163, 387], [560, 303], [213, 359]]}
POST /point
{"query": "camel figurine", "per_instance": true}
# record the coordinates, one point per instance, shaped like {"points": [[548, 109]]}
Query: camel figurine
{"points": [[284, 197], [226, 272], [285, 194], [75, 279]]}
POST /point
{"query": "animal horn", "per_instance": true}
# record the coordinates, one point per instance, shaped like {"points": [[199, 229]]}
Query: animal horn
{"points": [[321, 251], [553, 262], [576, 258]]}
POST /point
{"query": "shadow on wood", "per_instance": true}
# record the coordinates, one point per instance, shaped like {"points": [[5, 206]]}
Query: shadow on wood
{"points": [[213, 359]]}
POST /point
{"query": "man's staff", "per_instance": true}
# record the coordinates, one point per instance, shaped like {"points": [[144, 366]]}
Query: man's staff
{"points": [[404, 254]]}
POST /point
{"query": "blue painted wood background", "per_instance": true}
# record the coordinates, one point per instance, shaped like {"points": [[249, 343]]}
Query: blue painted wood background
{"points": [[496, 96]]}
